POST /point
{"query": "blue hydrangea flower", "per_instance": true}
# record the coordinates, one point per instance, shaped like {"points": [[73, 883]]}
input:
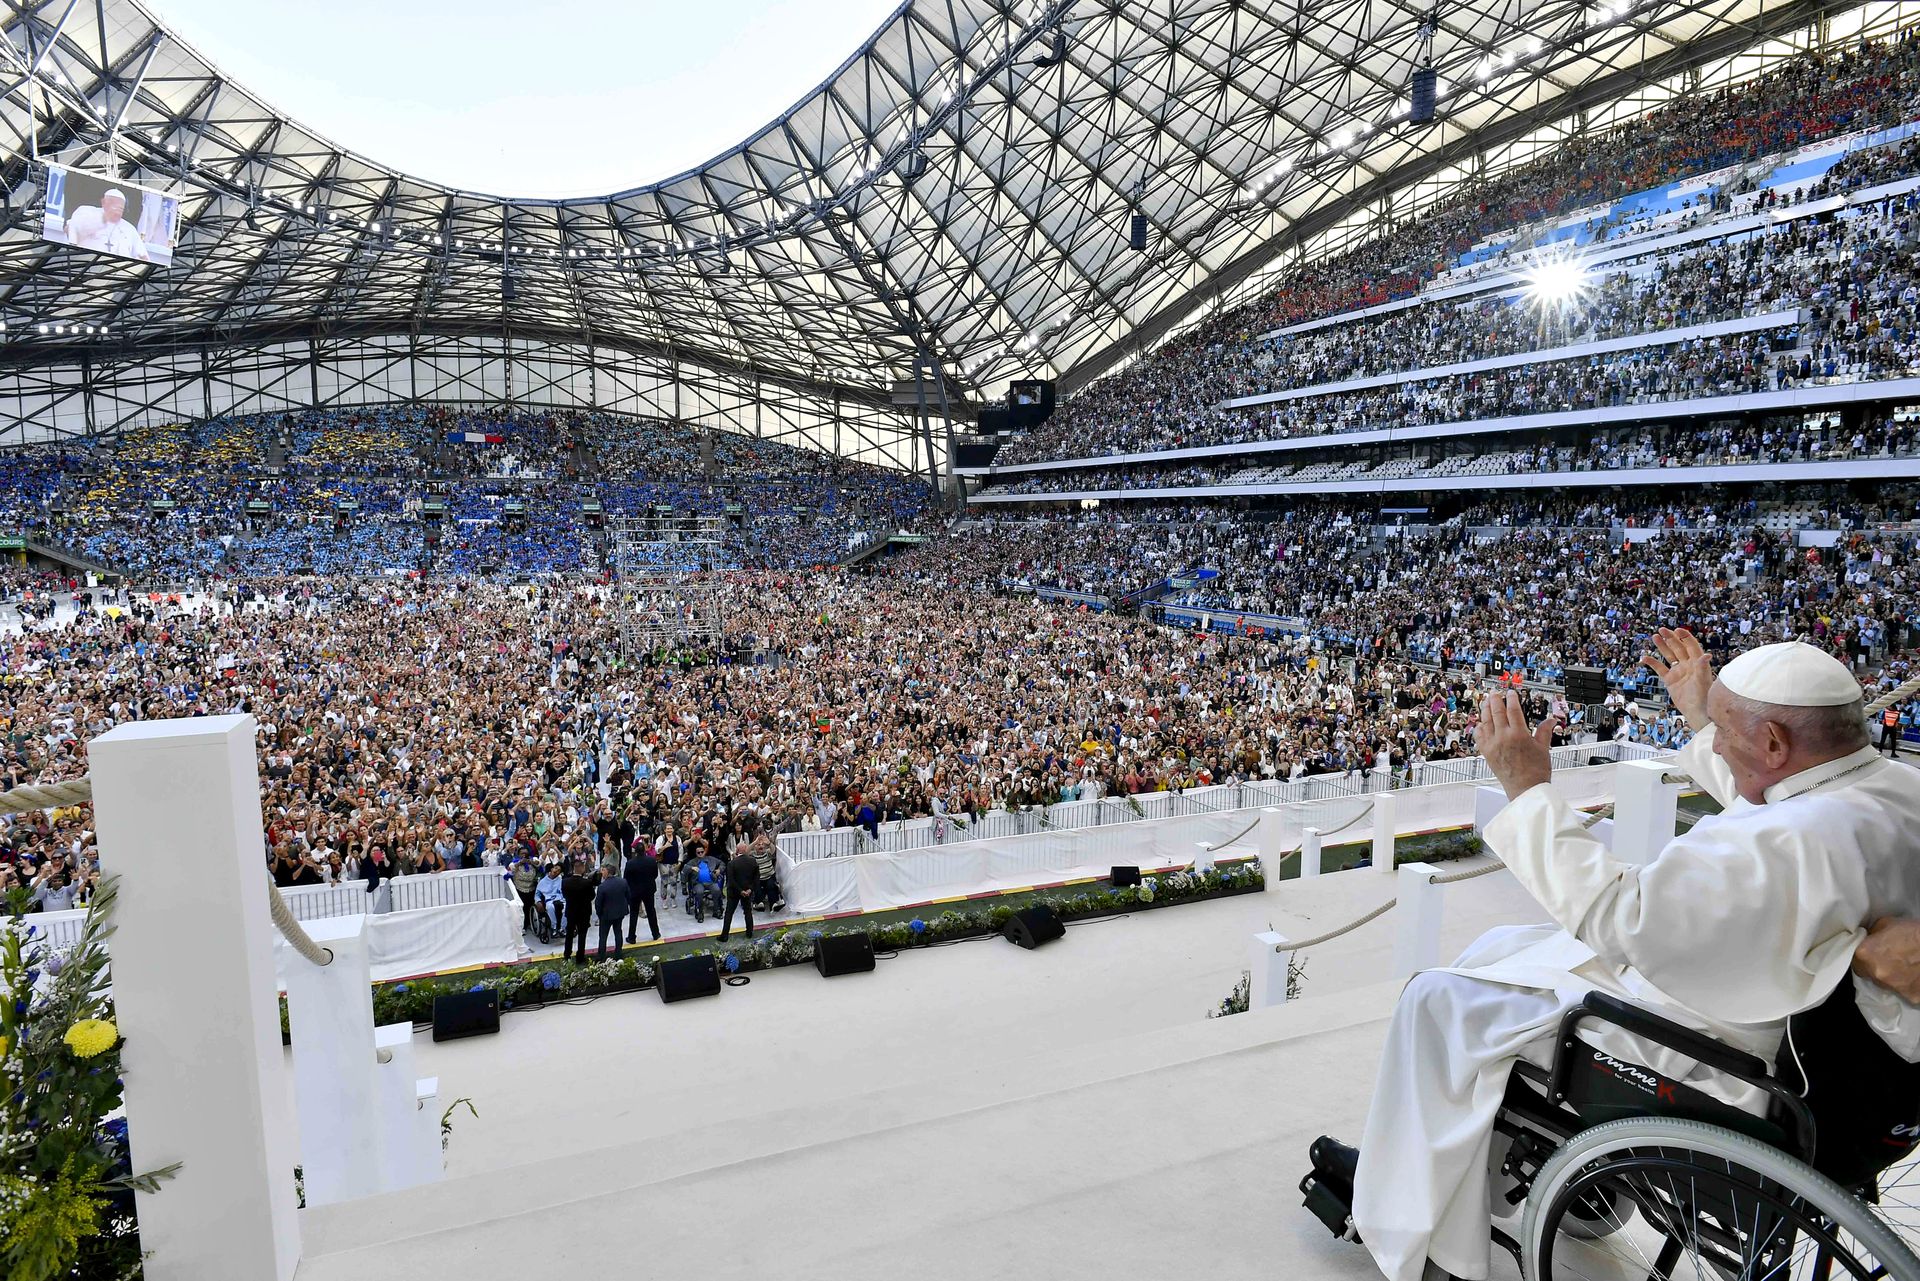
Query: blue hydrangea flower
{"points": [[55, 964], [399, 989], [478, 987], [917, 925], [550, 981], [733, 963]]}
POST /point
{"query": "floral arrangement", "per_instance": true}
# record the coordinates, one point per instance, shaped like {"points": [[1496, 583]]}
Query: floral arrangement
{"points": [[66, 1179], [538, 983]]}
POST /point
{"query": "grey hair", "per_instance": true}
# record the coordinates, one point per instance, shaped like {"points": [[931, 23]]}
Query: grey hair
{"points": [[1833, 730]]}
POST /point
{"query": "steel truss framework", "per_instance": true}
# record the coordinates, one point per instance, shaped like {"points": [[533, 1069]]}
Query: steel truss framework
{"points": [[955, 193], [667, 593]]}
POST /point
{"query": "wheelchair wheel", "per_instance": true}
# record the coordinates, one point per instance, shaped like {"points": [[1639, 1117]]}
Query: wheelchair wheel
{"points": [[1710, 1202]]}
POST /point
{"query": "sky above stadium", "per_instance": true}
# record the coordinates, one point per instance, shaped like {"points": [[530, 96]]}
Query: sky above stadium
{"points": [[566, 98]]}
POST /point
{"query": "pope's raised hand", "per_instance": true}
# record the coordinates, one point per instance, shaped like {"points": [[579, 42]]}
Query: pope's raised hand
{"points": [[1520, 758], [1684, 668]]}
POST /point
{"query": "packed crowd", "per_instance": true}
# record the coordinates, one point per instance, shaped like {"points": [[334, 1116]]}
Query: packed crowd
{"points": [[1797, 439], [1172, 398], [413, 726], [348, 492], [1534, 588]]}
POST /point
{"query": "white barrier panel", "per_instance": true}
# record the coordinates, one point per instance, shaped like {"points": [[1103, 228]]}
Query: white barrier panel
{"points": [[880, 880], [923, 833], [410, 893], [433, 938]]}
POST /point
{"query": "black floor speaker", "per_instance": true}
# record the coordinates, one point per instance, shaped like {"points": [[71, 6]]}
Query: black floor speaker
{"points": [[461, 1014], [1124, 876], [686, 977], [838, 954], [1032, 926]]}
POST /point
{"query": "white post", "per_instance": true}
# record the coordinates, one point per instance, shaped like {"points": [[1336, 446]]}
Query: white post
{"points": [[1487, 804], [177, 811], [1270, 959], [330, 1017], [406, 1158], [1416, 943], [1645, 810], [1386, 807], [1310, 852], [1266, 839]]}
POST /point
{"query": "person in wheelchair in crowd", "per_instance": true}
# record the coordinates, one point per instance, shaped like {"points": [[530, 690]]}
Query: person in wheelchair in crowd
{"points": [[547, 895], [703, 880], [1747, 920]]}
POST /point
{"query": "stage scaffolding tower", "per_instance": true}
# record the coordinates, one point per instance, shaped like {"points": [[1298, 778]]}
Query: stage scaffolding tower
{"points": [[667, 580]]}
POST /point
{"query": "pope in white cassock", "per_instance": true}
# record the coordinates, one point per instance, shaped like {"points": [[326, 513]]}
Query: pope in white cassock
{"points": [[1747, 919]]}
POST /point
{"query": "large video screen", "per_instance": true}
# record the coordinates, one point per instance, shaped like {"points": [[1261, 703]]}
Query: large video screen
{"points": [[109, 216]]}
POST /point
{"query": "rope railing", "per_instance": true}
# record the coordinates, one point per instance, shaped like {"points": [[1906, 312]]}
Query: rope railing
{"points": [[1439, 878], [1451, 878], [29, 797], [1898, 693]]}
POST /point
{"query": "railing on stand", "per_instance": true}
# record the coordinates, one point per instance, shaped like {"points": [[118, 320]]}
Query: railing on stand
{"points": [[1082, 816]]}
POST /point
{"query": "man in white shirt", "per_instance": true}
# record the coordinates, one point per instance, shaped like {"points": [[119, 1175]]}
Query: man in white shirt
{"points": [[1747, 919], [105, 228]]}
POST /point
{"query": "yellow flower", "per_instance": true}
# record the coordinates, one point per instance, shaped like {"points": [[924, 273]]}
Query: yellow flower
{"points": [[91, 1037], [4, 1043]]}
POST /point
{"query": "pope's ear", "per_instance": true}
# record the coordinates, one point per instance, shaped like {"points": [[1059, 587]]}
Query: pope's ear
{"points": [[1779, 742]]}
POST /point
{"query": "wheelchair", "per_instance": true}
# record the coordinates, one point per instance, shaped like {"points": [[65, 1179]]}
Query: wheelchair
{"points": [[1624, 1174], [542, 926], [697, 900]]}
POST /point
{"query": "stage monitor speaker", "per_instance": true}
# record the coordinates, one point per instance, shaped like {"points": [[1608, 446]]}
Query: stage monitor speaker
{"points": [[1586, 685], [837, 954], [1426, 86], [461, 1014], [1032, 926], [1123, 876], [1137, 233], [686, 977]]}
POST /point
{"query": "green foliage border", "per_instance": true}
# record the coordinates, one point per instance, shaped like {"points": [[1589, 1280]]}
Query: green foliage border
{"points": [[522, 985]]}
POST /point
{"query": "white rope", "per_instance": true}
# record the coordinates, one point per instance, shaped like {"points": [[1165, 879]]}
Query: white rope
{"points": [[29, 797], [79, 791], [1447, 878], [1894, 695]]}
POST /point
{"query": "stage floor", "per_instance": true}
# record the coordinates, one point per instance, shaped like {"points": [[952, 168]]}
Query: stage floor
{"points": [[961, 1110]]}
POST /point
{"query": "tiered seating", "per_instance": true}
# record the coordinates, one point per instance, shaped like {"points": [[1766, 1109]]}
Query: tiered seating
{"points": [[1610, 189]]}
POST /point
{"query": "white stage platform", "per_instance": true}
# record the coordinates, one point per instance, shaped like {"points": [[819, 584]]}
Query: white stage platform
{"points": [[1069, 1111]]}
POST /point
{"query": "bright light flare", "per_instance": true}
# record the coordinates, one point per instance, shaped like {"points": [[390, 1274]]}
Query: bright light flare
{"points": [[1556, 283]]}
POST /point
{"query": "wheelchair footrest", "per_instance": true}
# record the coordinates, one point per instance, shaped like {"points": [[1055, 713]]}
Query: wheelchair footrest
{"points": [[1334, 1211]]}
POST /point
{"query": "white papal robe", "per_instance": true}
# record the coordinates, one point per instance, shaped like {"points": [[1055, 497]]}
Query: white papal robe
{"points": [[1747, 919]]}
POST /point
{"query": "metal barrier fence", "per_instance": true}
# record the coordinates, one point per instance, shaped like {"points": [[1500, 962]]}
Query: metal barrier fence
{"points": [[428, 889], [923, 833]]}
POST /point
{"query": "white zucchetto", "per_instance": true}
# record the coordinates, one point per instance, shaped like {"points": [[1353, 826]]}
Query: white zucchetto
{"points": [[1790, 674]]}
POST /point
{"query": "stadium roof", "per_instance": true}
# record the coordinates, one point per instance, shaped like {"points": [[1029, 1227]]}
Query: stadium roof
{"points": [[960, 186]]}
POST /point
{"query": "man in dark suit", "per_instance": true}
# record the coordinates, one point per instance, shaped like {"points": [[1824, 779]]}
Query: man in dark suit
{"points": [[642, 874], [576, 890], [743, 874], [612, 903]]}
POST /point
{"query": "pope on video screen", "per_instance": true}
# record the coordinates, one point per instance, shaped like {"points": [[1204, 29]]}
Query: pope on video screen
{"points": [[109, 216]]}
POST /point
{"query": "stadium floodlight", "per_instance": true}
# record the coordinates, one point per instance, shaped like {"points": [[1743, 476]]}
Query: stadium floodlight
{"points": [[1556, 282]]}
